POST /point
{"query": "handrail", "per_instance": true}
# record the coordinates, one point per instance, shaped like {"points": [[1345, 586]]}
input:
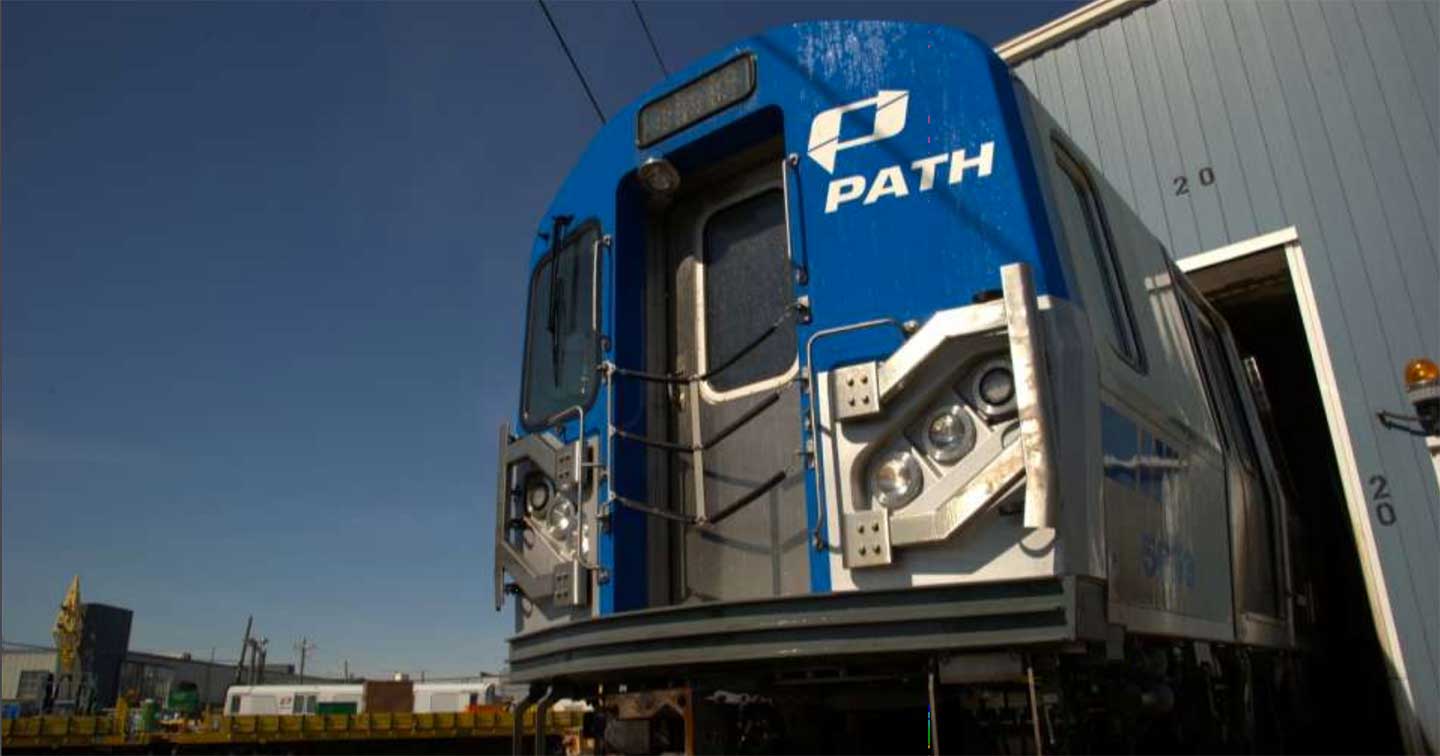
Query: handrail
{"points": [[644, 508], [729, 362], [820, 518], [724, 433], [724, 512], [789, 163], [761, 490]]}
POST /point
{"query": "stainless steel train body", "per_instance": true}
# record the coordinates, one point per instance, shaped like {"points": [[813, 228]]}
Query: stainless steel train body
{"points": [[837, 347]]}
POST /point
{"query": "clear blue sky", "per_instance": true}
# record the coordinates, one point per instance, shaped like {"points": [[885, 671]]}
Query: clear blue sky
{"points": [[261, 286]]}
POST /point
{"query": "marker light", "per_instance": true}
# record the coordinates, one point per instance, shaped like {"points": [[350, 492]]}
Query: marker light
{"points": [[997, 386], [659, 176], [949, 434], [1421, 372], [537, 494], [895, 480], [992, 387]]}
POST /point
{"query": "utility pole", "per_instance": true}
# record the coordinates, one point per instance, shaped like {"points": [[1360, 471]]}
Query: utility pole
{"points": [[304, 647], [205, 692], [258, 650], [347, 670], [244, 645]]}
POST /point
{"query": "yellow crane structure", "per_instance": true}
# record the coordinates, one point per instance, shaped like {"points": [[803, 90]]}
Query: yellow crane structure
{"points": [[68, 626]]}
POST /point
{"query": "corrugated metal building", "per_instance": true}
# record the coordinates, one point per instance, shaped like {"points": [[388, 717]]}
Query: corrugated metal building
{"points": [[146, 674], [1294, 139], [15, 661]]}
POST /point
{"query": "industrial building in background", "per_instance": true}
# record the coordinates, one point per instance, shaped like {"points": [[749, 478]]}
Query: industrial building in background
{"points": [[92, 666], [24, 670]]}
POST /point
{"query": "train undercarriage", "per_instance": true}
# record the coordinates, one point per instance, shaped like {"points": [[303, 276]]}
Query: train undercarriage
{"points": [[1126, 696]]}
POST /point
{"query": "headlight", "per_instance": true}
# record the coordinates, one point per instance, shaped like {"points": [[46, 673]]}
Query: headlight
{"points": [[949, 434], [538, 490], [561, 520], [993, 387], [895, 480]]}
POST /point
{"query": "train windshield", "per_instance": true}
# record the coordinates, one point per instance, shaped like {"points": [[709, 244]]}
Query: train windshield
{"points": [[560, 338]]}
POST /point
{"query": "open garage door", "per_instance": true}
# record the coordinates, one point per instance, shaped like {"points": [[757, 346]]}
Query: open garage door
{"points": [[1262, 288]]}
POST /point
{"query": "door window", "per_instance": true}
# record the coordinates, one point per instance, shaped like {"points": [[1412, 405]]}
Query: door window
{"points": [[747, 289]]}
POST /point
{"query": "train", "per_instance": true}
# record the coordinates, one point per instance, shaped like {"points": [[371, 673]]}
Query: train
{"points": [[859, 413], [352, 698]]}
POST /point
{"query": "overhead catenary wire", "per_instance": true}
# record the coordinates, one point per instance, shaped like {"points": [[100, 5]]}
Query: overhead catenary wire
{"points": [[654, 48], [573, 65]]}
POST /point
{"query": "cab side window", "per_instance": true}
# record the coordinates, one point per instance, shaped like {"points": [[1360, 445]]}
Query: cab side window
{"points": [[1090, 239]]}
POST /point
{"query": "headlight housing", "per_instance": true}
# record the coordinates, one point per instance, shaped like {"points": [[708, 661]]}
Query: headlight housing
{"points": [[895, 479], [949, 434], [561, 519]]}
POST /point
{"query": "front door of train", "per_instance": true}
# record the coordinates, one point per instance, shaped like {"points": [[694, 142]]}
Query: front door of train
{"points": [[734, 323]]}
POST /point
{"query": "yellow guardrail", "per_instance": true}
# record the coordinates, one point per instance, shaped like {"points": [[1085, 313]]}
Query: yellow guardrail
{"points": [[82, 732]]}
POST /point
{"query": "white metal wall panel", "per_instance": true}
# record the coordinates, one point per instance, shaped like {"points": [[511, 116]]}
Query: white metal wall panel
{"points": [[1325, 116], [17, 661], [1415, 24], [1144, 188], [1238, 101]]}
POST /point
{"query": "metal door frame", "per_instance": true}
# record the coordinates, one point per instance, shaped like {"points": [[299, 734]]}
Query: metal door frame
{"points": [[707, 202], [1357, 504]]}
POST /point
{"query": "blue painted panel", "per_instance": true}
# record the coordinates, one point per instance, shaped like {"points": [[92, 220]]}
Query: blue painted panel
{"points": [[868, 220]]}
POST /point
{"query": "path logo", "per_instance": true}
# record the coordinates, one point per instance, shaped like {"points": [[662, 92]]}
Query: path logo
{"points": [[890, 107], [890, 181]]}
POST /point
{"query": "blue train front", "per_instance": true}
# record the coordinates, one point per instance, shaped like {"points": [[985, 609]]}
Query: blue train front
{"points": [[811, 374]]}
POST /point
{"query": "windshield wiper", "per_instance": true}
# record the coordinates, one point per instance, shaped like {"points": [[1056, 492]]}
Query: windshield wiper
{"points": [[557, 233]]}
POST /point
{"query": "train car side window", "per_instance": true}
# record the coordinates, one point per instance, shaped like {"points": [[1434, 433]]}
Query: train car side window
{"points": [[747, 289], [234, 704], [1223, 388], [1077, 197]]}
